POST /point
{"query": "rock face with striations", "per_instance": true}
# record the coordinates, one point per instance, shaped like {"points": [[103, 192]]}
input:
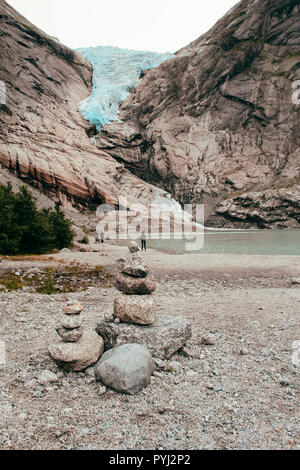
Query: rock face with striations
{"points": [[220, 123], [43, 138]]}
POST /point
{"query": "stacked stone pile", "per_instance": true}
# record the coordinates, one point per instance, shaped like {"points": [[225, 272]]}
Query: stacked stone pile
{"points": [[133, 335], [134, 339], [136, 303], [77, 349]]}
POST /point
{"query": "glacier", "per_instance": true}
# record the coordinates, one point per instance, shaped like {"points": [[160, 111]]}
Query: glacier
{"points": [[116, 72]]}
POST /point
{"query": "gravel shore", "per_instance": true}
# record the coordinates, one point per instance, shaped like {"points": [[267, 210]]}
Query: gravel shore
{"points": [[242, 392]]}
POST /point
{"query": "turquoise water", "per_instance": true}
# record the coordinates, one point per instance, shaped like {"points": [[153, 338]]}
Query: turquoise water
{"points": [[256, 242]]}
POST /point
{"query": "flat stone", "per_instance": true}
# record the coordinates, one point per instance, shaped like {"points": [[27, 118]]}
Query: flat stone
{"points": [[70, 335], [126, 369], [80, 355], [73, 308], [135, 309], [131, 285], [163, 338], [71, 321], [134, 266]]}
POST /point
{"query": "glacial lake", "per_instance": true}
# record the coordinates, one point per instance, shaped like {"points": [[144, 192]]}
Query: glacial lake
{"points": [[251, 242]]}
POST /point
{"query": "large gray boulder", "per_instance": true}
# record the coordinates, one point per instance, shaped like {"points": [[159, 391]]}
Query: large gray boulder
{"points": [[163, 338], [126, 369]]}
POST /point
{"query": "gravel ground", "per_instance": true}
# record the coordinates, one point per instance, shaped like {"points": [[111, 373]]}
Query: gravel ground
{"points": [[239, 393]]}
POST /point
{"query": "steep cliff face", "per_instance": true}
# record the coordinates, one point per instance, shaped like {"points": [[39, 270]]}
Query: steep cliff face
{"points": [[220, 123], [43, 138]]}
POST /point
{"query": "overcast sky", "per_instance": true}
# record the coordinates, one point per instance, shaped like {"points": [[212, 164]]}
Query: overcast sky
{"points": [[154, 25]]}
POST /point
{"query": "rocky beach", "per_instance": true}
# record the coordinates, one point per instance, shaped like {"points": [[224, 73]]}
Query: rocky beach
{"points": [[117, 331], [234, 385]]}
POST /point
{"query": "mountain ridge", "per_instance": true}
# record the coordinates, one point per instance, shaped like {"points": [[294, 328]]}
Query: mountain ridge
{"points": [[44, 140], [217, 123]]}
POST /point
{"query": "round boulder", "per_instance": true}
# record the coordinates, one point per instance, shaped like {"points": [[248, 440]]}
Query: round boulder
{"points": [[126, 369]]}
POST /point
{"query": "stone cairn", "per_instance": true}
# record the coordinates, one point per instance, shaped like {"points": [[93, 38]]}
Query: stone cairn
{"points": [[136, 304], [70, 329], [77, 349], [132, 336]]}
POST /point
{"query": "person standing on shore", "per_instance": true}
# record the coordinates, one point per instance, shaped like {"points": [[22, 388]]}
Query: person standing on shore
{"points": [[144, 240]]}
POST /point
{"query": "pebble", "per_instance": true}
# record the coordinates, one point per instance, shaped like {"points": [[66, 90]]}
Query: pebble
{"points": [[209, 340], [46, 377], [84, 431], [285, 382], [102, 390], [191, 373], [244, 352], [65, 383]]}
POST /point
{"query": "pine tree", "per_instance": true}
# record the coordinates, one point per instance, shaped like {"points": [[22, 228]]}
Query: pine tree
{"points": [[25, 229]]}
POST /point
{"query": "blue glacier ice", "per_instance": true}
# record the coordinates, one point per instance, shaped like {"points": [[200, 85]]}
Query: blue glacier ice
{"points": [[115, 72]]}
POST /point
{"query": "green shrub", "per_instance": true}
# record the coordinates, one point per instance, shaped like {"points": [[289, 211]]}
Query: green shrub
{"points": [[24, 229], [48, 286]]}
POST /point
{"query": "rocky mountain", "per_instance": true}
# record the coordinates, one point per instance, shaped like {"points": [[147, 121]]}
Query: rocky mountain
{"points": [[220, 123], [44, 140]]}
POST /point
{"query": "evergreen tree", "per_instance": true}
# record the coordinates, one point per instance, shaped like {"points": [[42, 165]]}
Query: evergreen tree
{"points": [[25, 229]]}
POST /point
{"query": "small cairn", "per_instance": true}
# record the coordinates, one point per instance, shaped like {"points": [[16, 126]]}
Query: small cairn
{"points": [[136, 303], [77, 349], [70, 329]]}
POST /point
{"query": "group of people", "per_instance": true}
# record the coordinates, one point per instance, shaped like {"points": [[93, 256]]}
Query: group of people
{"points": [[100, 239]]}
